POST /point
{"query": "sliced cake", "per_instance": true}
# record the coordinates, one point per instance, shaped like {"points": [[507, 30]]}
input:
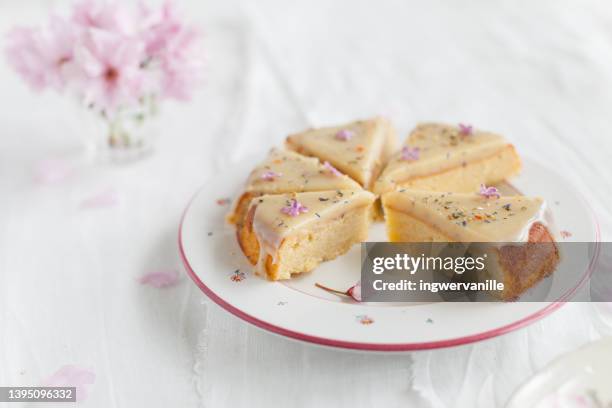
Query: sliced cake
{"points": [[440, 157], [425, 216], [284, 171], [292, 233], [358, 149]]}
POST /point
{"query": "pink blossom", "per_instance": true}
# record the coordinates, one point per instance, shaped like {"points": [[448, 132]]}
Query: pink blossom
{"points": [[332, 169], [465, 130], [355, 291], [72, 376], [110, 68], [294, 208], [160, 279], [345, 134], [237, 276], [41, 56], [270, 175], [489, 192], [104, 15], [110, 54], [173, 45], [410, 154]]}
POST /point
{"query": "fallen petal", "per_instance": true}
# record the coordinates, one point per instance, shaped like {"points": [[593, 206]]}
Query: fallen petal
{"points": [[160, 279], [51, 171], [107, 198], [72, 376]]}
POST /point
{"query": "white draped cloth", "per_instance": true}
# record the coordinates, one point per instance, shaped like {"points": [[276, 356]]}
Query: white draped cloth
{"points": [[538, 72]]}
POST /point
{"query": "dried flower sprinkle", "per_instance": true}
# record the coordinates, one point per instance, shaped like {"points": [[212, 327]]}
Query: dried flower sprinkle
{"points": [[237, 276], [294, 208], [364, 319], [489, 192], [270, 175], [332, 169], [410, 153], [466, 130], [345, 134]]}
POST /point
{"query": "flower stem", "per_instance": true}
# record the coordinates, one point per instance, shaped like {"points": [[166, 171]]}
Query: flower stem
{"points": [[338, 292]]}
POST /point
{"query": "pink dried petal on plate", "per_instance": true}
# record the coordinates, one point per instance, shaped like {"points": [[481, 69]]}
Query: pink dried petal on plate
{"points": [[51, 171], [160, 279], [106, 198], [72, 376]]}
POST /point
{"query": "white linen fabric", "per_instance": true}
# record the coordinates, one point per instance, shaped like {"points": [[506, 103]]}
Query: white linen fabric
{"points": [[537, 72]]}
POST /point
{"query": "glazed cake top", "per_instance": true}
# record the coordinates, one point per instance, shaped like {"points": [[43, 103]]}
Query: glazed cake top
{"points": [[284, 171], [278, 216], [471, 217], [357, 149], [432, 147]]}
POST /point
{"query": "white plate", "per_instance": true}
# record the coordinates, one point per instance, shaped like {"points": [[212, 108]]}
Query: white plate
{"points": [[299, 310], [577, 379]]}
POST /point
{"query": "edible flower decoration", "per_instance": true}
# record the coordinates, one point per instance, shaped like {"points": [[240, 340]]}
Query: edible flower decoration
{"points": [[332, 169], [294, 208], [466, 130], [353, 292], [345, 134], [270, 175], [364, 319], [489, 192], [410, 153]]}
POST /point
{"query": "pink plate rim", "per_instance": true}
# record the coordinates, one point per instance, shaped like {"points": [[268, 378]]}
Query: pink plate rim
{"points": [[382, 347]]}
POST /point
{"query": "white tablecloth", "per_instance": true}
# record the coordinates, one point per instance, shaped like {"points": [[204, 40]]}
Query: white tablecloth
{"points": [[538, 72]]}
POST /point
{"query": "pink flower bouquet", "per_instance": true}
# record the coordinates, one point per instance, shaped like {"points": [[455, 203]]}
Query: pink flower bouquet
{"points": [[119, 61]]}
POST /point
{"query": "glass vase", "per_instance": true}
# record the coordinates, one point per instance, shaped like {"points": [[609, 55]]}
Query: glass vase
{"points": [[128, 135]]}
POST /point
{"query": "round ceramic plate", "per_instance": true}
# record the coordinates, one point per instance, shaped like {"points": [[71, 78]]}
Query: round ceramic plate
{"points": [[577, 379], [298, 309]]}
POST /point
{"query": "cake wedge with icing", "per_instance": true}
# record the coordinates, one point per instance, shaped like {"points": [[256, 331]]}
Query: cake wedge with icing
{"points": [[284, 171], [286, 234], [523, 251], [358, 149], [441, 157]]}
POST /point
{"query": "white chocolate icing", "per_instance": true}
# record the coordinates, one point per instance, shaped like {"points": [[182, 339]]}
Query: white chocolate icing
{"points": [[271, 226], [292, 172], [471, 217], [361, 156], [296, 173], [441, 147]]}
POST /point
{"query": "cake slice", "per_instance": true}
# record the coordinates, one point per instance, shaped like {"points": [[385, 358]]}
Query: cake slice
{"points": [[284, 171], [292, 233], [359, 149], [440, 157], [514, 223]]}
